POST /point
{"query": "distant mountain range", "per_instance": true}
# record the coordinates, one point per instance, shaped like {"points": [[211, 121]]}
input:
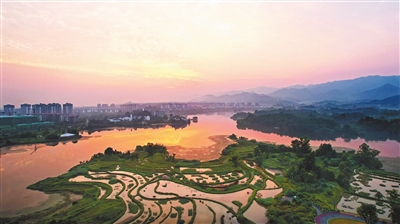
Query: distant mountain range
{"points": [[393, 102], [243, 97], [362, 89]]}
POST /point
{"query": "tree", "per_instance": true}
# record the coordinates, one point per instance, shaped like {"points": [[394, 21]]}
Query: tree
{"points": [[301, 146], [259, 160], [367, 156], [394, 203], [52, 136], [233, 137], [379, 195], [328, 175], [343, 181], [173, 157], [235, 161], [109, 151], [308, 162], [368, 213], [325, 150]]}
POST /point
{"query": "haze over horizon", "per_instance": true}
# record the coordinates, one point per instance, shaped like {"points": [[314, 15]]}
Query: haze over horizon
{"points": [[107, 52]]}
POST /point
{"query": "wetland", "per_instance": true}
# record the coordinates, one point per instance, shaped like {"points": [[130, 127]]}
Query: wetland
{"points": [[197, 167]]}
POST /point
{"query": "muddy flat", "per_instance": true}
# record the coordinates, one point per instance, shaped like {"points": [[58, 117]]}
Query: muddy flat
{"points": [[205, 153]]}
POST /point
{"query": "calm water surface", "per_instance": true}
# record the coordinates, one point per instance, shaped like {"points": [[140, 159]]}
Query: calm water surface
{"points": [[18, 170]]}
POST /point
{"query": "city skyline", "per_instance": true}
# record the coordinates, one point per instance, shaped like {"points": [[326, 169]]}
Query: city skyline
{"points": [[91, 52]]}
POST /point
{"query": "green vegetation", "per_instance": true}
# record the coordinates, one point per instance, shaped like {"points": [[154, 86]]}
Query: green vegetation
{"points": [[328, 124], [237, 203], [113, 180], [38, 132], [394, 203], [133, 208], [265, 201], [190, 212], [368, 212], [308, 179], [183, 201]]}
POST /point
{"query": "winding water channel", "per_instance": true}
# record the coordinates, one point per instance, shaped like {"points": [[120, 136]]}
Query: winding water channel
{"points": [[21, 166]]}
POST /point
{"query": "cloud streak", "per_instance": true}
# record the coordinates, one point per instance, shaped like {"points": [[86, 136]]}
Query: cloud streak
{"points": [[210, 43]]}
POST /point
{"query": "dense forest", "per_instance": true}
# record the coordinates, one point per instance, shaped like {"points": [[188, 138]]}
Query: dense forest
{"points": [[368, 123]]}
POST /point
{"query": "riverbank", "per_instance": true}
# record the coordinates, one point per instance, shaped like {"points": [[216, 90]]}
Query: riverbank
{"points": [[18, 148], [54, 202], [31, 141]]}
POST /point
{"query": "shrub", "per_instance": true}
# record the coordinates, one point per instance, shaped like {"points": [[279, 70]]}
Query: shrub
{"points": [[183, 200], [285, 202], [52, 136], [290, 193], [265, 201], [133, 208], [237, 203], [113, 180], [163, 201]]}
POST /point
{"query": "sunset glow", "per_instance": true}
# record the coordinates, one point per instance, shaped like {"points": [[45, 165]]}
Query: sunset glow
{"points": [[90, 52]]}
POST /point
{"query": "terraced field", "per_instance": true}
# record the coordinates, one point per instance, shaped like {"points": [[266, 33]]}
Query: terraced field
{"points": [[160, 200]]}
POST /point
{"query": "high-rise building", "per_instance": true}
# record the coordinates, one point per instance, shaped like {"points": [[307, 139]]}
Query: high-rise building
{"points": [[42, 108], [57, 108], [35, 108], [25, 108], [9, 109], [54, 108], [128, 107], [68, 108], [98, 105]]}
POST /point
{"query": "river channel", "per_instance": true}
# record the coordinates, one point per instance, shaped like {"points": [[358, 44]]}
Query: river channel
{"points": [[21, 165]]}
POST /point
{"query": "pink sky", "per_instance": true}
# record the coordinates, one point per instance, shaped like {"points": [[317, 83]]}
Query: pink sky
{"points": [[103, 52]]}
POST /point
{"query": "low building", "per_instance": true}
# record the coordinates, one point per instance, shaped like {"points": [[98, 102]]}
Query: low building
{"points": [[67, 135]]}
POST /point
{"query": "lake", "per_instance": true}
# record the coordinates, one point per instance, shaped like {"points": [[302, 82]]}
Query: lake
{"points": [[22, 166]]}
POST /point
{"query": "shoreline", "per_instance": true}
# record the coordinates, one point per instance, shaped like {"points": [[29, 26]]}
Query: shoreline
{"points": [[54, 203], [112, 127], [40, 142]]}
